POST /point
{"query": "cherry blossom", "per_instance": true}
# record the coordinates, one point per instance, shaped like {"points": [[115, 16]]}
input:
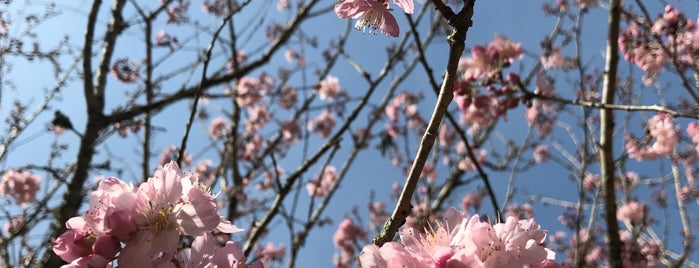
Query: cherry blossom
{"points": [[143, 225], [460, 242], [372, 14], [218, 128], [21, 185], [633, 212], [323, 124], [322, 183], [329, 88]]}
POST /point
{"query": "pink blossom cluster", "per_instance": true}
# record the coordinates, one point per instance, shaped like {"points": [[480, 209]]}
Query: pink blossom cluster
{"points": [[218, 128], [329, 88], [141, 227], [323, 124], [634, 212], [461, 242], [373, 14], [661, 128], [346, 238], [542, 113], [258, 117], [677, 35], [322, 183], [251, 90], [404, 104], [483, 69], [21, 185], [485, 61]]}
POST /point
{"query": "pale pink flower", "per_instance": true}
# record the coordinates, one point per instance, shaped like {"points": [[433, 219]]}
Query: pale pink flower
{"points": [[205, 252], [323, 124], [541, 154], [506, 49], [21, 185], [407, 5], [218, 128], [320, 186], [478, 65], [347, 235], [249, 91], [329, 88], [372, 14], [81, 248], [258, 116], [661, 128], [554, 59], [168, 205], [693, 132], [633, 212]]}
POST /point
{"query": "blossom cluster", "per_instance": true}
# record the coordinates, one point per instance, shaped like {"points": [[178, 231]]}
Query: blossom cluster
{"points": [[142, 227], [21, 185], [661, 128], [671, 35], [465, 242]]}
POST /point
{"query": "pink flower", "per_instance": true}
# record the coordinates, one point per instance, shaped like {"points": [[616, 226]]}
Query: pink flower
{"points": [[329, 88], [661, 128], [407, 5], [249, 91], [218, 128], [322, 183], [347, 235], [166, 206], [205, 251], [458, 242], [22, 186], [258, 116], [323, 124], [370, 13], [541, 154], [633, 212]]}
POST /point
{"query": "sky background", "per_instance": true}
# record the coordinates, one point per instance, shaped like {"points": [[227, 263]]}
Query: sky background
{"points": [[521, 21]]}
